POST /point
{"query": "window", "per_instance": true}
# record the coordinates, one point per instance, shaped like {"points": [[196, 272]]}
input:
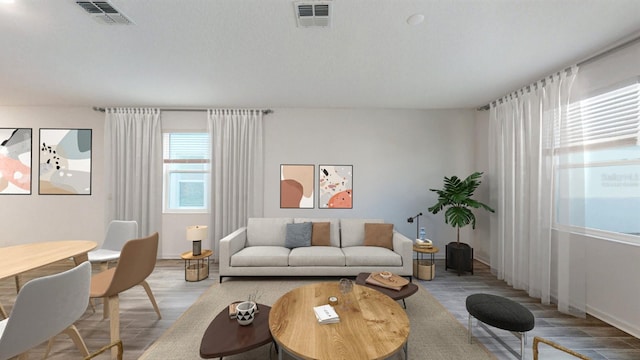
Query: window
{"points": [[186, 172], [599, 163]]}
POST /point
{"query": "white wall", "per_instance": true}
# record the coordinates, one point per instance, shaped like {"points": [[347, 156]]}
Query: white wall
{"points": [[397, 155], [613, 292], [39, 218]]}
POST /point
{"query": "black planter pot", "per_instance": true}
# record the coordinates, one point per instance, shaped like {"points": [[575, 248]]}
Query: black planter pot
{"points": [[459, 256]]}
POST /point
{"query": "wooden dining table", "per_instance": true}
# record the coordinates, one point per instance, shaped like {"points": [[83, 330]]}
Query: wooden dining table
{"points": [[19, 259]]}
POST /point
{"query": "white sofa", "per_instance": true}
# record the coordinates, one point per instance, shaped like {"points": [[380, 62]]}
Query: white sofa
{"points": [[259, 250]]}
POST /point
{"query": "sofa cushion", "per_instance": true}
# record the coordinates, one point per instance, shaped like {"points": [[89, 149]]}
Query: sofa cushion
{"points": [[316, 256], [371, 256], [352, 231], [261, 256], [267, 231], [321, 234], [298, 235], [334, 228], [378, 235]]}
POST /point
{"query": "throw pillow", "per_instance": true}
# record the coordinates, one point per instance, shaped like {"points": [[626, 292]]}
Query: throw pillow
{"points": [[378, 235], [298, 235], [321, 234]]}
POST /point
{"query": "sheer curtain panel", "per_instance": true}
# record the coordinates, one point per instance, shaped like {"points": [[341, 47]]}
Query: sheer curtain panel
{"points": [[525, 142], [237, 178], [133, 167]]}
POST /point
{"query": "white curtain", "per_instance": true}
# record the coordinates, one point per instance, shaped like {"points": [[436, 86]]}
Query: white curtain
{"points": [[525, 137], [133, 167], [237, 178]]}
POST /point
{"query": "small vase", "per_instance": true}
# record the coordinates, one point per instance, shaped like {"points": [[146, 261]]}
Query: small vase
{"points": [[246, 312]]}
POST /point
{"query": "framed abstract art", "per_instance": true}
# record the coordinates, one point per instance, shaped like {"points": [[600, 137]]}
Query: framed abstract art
{"points": [[296, 186], [15, 161], [335, 186], [65, 162]]}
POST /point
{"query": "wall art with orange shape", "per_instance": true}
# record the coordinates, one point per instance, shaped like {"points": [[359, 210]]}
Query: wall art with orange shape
{"points": [[15, 161], [65, 162], [335, 186], [296, 186]]}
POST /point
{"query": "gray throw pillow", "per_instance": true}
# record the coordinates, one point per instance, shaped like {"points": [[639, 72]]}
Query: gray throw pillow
{"points": [[298, 235]]}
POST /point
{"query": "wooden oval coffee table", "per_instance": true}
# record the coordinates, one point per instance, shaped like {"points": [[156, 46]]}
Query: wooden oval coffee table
{"points": [[373, 326], [225, 336]]}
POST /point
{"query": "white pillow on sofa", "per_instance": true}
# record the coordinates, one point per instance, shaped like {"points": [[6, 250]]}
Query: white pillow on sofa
{"points": [[352, 231], [267, 231]]}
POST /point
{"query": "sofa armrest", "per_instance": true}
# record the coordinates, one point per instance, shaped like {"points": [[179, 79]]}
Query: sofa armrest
{"points": [[403, 246], [230, 245]]}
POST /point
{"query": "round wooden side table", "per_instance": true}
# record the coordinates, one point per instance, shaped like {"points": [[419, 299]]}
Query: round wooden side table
{"points": [[198, 270], [424, 269]]}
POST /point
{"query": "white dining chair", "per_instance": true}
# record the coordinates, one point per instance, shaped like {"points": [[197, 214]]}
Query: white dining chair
{"points": [[44, 308], [118, 233]]}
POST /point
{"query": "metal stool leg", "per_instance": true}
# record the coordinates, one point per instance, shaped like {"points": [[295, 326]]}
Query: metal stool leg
{"points": [[469, 332]]}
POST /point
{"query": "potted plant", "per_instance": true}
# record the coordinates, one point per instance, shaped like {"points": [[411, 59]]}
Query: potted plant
{"points": [[456, 198]]}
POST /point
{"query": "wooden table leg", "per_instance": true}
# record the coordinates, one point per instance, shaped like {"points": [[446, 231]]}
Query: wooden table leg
{"points": [[80, 258], [114, 322], [18, 281], [3, 312]]}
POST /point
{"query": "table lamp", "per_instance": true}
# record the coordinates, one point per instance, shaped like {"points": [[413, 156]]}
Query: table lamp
{"points": [[410, 221], [197, 233]]}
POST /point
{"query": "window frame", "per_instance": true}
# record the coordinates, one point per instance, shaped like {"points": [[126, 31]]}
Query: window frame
{"points": [[167, 173], [612, 143]]}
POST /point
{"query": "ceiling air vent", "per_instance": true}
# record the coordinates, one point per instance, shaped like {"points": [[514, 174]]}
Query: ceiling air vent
{"points": [[312, 14], [104, 13]]}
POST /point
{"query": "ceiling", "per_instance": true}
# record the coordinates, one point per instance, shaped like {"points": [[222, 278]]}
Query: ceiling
{"points": [[250, 53]]}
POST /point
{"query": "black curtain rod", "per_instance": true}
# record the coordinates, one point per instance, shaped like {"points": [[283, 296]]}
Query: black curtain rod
{"points": [[101, 109], [598, 56]]}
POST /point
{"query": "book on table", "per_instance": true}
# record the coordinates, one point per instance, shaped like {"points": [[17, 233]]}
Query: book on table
{"points": [[233, 309], [326, 314]]}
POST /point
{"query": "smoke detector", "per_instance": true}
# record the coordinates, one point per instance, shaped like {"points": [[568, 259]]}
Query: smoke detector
{"points": [[313, 13], [104, 13]]}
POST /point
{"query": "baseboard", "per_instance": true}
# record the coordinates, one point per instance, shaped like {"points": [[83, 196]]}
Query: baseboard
{"points": [[613, 321]]}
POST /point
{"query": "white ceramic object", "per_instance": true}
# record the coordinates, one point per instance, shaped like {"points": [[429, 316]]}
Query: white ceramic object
{"points": [[246, 312]]}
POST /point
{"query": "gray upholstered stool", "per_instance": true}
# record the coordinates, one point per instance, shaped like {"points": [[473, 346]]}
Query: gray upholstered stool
{"points": [[502, 313]]}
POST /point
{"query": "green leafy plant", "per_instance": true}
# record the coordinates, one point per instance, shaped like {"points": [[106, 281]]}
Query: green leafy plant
{"points": [[456, 198]]}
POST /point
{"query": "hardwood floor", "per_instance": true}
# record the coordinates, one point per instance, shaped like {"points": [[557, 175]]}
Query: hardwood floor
{"points": [[590, 336], [140, 326]]}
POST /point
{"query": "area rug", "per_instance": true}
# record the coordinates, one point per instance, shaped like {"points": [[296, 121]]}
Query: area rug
{"points": [[434, 334]]}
